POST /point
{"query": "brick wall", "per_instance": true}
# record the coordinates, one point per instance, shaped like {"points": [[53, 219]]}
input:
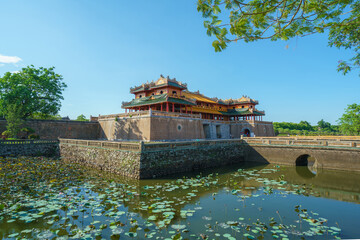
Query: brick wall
{"points": [[53, 129]]}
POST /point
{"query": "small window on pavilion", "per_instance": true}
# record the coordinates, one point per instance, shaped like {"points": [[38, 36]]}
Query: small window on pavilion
{"points": [[207, 104], [174, 92], [251, 106], [233, 107], [161, 92], [242, 106], [140, 96], [153, 94]]}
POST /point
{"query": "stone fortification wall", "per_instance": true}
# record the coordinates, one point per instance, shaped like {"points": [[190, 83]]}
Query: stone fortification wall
{"points": [[29, 148], [139, 160], [53, 129], [156, 159], [258, 128], [154, 126], [133, 128], [150, 128], [175, 128], [164, 158], [120, 158]]}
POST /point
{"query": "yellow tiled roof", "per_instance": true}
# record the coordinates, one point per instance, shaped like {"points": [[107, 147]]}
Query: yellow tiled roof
{"points": [[205, 110], [198, 97]]}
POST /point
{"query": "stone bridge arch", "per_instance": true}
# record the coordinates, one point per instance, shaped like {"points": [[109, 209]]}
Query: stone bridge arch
{"points": [[326, 157]]}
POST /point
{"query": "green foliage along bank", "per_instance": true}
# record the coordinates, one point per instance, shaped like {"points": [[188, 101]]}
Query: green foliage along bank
{"points": [[305, 128], [350, 120], [38, 91], [32, 93]]}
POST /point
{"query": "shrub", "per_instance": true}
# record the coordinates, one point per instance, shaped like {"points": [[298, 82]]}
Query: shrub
{"points": [[6, 134], [27, 130], [34, 136]]}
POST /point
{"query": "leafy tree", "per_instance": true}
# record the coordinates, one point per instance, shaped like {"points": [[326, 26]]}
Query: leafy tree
{"points": [[350, 120], [251, 20], [13, 118], [38, 91], [304, 125], [324, 125], [45, 116], [81, 118]]}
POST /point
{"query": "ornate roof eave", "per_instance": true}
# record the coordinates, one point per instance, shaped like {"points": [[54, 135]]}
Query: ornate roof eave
{"points": [[161, 82]]}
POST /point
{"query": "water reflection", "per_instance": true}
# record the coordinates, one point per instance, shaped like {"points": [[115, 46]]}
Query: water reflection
{"points": [[229, 202]]}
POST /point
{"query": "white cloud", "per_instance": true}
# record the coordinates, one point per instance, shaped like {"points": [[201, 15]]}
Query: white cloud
{"points": [[9, 59], [15, 71]]}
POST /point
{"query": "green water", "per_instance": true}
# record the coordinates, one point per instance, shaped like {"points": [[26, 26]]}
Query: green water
{"points": [[48, 199]]}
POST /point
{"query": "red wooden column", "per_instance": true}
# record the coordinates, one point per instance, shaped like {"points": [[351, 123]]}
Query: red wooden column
{"points": [[173, 107], [161, 108], [167, 106], [185, 109]]}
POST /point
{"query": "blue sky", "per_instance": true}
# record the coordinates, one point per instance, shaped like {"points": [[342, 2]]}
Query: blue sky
{"points": [[102, 48]]}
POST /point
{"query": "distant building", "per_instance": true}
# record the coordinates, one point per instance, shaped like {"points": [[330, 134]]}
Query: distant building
{"points": [[170, 95], [166, 110]]}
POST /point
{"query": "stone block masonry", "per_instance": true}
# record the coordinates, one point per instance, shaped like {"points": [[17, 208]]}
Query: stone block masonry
{"points": [[53, 129], [139, 160], [156, 159], [123, 162], [160, 159], [48, 148]]}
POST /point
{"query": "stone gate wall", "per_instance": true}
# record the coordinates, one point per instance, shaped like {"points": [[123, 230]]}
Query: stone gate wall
{"points": [[53, 129]]}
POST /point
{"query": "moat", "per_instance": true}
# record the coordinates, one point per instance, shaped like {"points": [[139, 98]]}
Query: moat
{"points": [[49, 199]]}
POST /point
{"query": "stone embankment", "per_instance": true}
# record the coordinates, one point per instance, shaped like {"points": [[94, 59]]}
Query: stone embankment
{"points": [[155, 159], [29, 148], [139, 160]]}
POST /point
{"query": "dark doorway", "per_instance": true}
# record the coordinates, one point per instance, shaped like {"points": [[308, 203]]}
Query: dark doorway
{"points": [[207, 130], [247, 133], [218, 131]]}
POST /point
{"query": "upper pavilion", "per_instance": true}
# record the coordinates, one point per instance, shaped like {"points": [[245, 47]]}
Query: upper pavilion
{"points": [[170, 95]]}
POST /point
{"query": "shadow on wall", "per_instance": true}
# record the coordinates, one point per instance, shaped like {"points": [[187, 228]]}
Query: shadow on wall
{"points": [[128, 130], [251, 155]]}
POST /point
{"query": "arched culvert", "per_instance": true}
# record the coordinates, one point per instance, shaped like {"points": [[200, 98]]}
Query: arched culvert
{"points": [[302, 160], [308, 161]]}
